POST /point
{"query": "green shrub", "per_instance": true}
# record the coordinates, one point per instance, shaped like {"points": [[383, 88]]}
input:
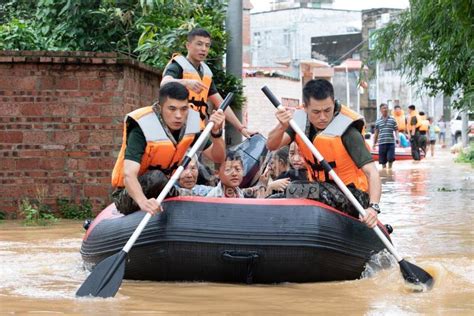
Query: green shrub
{"points": [[36, 213], [71, 210], [467, 155]]}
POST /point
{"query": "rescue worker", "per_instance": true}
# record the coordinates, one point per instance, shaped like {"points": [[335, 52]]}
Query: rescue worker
{"points": [[424, 128], [335, 131], [413, 127], [192, 72], [155, 139], [399, 116]]}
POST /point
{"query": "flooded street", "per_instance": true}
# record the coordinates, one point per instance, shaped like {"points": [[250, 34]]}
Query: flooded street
{"points": [[429, 204]]}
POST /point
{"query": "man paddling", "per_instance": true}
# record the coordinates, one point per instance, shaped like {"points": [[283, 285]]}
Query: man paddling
{"points": [[336, 132], [155, 139]]}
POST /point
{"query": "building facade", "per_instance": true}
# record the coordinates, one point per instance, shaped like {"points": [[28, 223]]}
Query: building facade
{"points": [[283, 37]]}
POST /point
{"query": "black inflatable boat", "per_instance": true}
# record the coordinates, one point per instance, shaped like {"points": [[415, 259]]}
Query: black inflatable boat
{"points": [[236, 240]]}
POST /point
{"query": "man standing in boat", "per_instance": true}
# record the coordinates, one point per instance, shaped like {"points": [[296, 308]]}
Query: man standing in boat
{"points": [[155, 139], [192, 72], [385, 129], [335, 131]]}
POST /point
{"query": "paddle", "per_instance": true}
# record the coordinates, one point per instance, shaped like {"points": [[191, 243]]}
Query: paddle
{"points": [[106, 278], [417, 278]]}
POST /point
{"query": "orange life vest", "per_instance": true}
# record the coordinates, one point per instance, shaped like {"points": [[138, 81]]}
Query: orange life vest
{"points": [[412, 128], [198, 101], [401, 120], [329, 144], [160, 151], [425, 124]]}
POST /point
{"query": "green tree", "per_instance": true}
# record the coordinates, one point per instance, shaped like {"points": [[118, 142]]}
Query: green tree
{"points": [[164, 26], [438, 34], [148, 30]]}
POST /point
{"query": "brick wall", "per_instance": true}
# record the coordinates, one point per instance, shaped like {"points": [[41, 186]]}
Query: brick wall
{"points": [[61, 122], [246, 44]]}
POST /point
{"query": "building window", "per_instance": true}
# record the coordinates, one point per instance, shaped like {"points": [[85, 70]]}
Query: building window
{"points": [[257, 39], [372, 89], [372, 39], [268, 40], [286, 38]]}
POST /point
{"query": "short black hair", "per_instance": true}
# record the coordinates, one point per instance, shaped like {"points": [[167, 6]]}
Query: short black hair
{"points": [[411, 107], [282, 154], [173, 90], [421, 113], [397, 107], [198, 32], [318, 89], [383, 104], [232, 155]]}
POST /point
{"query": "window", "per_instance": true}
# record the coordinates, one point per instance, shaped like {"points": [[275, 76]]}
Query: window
{"points": [[372, 39], [286, 38], [372, 89], [257, 39], [268, 40]]}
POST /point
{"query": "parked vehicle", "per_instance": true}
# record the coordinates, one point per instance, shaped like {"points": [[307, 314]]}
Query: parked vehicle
{"points": [[456, 126]]}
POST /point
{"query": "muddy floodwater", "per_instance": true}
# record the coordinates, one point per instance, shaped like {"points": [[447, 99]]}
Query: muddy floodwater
{"points": [[430, 205]]}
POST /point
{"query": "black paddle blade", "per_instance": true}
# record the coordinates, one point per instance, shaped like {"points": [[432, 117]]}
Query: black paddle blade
{"points": [[104, 281], [418, 279]]}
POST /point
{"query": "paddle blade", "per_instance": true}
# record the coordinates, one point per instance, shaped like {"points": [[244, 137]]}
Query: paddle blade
{"points": [[418, 279], [106, 278]]}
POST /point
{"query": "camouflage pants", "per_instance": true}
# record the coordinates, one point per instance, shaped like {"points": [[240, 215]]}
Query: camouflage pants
{"points": [[152, 183], [329, 194]]}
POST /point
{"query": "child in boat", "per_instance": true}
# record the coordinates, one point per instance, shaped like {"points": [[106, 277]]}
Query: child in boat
{"points": [[231, 174]]}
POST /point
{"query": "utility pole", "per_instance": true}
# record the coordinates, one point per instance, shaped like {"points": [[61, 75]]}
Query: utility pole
{"points": [[233, 25]]}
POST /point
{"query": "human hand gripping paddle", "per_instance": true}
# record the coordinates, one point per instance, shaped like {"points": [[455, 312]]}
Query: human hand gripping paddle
{"points": [[106, 278], [417, 278]]}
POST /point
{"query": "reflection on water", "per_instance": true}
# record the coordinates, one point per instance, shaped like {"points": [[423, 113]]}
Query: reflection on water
{"points": [[429, 204]]}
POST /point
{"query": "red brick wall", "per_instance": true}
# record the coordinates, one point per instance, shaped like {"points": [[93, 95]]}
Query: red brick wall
{"points": [[61, 119], [246, 36]]}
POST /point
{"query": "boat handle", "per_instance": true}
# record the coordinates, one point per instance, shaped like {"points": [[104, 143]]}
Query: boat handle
{"points": [[240, 256], [249, 257]]}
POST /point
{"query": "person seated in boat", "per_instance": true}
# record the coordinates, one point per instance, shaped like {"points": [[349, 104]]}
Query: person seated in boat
{"points": [[335, 131], [282, 170], [297, 169], [276, 179], [404, 142], [231, 174], [187, 182], [155, 140]]}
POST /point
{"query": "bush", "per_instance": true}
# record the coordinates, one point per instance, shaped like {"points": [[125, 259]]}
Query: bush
{"points": [[36, 213], [70, 210], [467, 155]]}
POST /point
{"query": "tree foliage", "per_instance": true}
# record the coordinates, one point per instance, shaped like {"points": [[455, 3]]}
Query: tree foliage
{"points": [[438, 34], [147, 30]]}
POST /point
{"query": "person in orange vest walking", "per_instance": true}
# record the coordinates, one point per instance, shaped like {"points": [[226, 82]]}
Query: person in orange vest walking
{"points": [[335, 131], [155, 139], [424, 128], [192, 72], [413, 127]]}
